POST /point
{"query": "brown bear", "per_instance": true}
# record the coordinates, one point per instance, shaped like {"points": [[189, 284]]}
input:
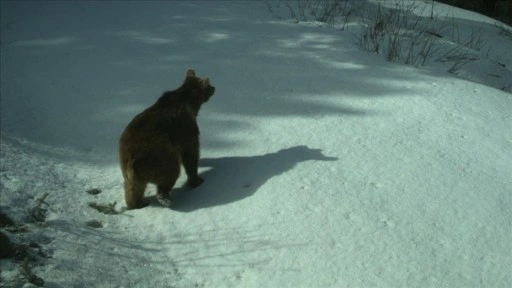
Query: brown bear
{"points": [[161, 138]]}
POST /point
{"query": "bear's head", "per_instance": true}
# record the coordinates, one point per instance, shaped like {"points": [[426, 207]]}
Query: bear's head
{"points": [[198, 90]]}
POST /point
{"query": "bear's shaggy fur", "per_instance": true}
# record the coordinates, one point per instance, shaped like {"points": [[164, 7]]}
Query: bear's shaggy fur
{"points": [[161, 138]]}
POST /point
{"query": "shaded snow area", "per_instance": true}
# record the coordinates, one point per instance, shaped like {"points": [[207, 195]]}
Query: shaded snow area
{"points": [[324, 165]]}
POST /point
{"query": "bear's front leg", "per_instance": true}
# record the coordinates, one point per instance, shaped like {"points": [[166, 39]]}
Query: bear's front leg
{"points": [[190, 159]]}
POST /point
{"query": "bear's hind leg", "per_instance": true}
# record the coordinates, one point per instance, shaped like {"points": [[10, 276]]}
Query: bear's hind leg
{"points": [[163, 195], [164, 187], [134, 194]]}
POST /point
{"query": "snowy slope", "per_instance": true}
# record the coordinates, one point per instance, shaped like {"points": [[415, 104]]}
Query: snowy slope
{"points": [[324, 165]]}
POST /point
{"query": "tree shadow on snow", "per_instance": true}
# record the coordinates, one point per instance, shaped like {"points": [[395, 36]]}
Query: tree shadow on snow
{"points": [[256, 64], [232, 179]]}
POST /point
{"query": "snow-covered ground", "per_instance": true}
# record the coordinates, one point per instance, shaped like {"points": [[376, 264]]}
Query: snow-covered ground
{"points": [[324, 165]]}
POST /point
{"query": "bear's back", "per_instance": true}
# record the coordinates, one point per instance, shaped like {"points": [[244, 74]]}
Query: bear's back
{"points": [[164, 125]]}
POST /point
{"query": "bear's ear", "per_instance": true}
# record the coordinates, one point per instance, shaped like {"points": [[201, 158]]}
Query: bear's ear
{"points": [[190, 73]]}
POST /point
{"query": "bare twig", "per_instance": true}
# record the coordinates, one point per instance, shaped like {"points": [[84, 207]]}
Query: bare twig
{"points": [[105, 209], [28, 276]]}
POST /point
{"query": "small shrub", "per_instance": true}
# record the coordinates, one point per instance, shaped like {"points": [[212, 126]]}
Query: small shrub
{"points": [[400, 35], [39, 210]]}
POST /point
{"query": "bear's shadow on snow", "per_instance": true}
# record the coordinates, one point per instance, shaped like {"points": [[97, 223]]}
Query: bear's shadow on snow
{"points": [[231, 179]]}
